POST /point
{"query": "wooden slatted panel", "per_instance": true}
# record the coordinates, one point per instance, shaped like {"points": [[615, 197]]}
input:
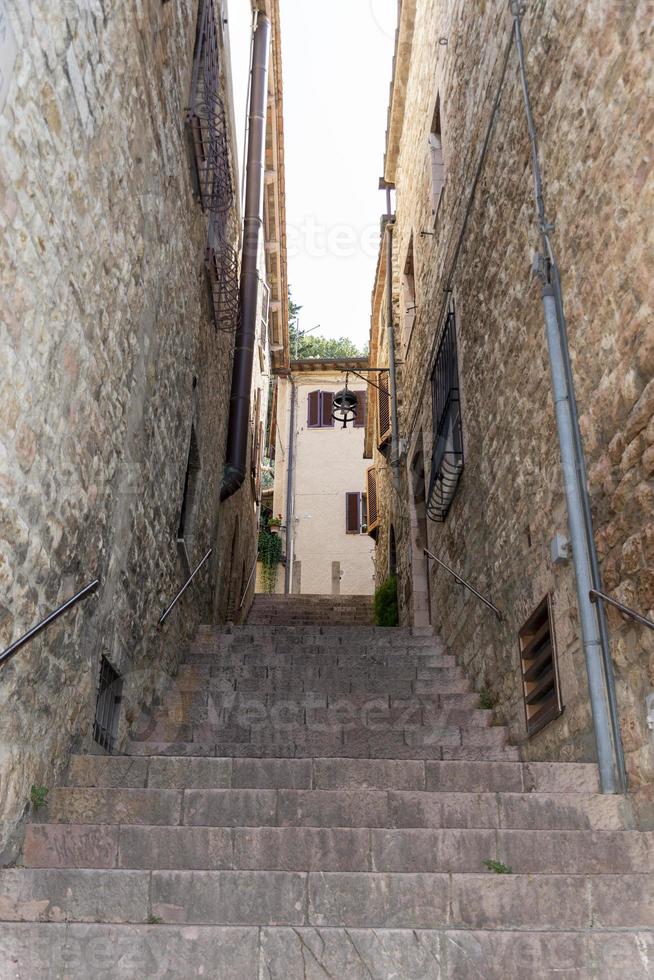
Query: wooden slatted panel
{"points": [[352, 513], [360, 419], [539, 669], [313, 411], [373, 512], [383, 409], [326, 405]]}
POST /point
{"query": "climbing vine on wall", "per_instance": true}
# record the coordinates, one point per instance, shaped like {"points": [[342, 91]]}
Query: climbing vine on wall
{"points": [[270, 553]]}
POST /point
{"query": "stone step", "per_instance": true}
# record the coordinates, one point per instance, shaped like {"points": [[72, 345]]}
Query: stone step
{"points": [[43, 951], [317, 712], [329, 899], [333, 774], [237, 658], [336, 849], [380, 747], [401, 809]]}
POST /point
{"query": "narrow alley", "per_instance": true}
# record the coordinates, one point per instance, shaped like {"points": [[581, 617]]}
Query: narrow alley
{"points": [[326, 490]]}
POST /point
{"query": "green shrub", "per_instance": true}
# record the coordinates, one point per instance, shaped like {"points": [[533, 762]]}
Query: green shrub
{"points": [[270, 553], [386, 611]]}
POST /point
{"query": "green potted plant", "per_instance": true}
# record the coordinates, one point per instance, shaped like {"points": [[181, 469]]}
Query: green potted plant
{"points": [[274, 524]]}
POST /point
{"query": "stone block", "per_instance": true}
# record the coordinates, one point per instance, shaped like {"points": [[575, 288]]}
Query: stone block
{"points": [[70, 846], [378, 900], [189, 773], [332, 808], [35, 895], [176, 848], [230, 897], [352, 954], [302, 849], [100, 806], [230, 808]]}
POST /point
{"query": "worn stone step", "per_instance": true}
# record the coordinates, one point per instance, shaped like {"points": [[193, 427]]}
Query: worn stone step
{"points": [[336, 849], [335, 808], [329, 899], [43, 951], [332, 773], [380, 746]]}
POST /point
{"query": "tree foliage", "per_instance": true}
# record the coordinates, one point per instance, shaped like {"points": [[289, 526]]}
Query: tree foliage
{"points": [[313, 345]]}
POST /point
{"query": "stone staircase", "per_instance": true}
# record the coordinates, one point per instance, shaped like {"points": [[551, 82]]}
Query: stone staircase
{"points": [[313, 802], [289, 610]]}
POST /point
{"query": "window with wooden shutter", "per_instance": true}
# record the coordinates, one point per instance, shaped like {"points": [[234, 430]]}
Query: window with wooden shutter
{"points": [[373, 513], [360, 419], [352, 513], [314, 409], [540, 679], [326, 405], [383, 409]]}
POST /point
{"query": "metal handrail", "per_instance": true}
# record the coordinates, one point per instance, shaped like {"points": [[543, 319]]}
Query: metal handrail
{"points": [[247, 586], [466, 585], [165, 614], [595, 595], [35, 630]]}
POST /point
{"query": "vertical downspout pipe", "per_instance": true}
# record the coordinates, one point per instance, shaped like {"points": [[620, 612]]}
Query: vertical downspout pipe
{"points": [[589, 626], [239, 404], [392, 387], [601, 681], [288, 571]]}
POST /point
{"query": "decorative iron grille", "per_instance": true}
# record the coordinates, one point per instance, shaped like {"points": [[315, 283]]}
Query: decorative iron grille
{"points": [[107, 707], [207, 117], [222, 270], [447, 455]]}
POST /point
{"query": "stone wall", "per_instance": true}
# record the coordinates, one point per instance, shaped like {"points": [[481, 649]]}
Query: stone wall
{"points": [[590, 72], [108, 355]]}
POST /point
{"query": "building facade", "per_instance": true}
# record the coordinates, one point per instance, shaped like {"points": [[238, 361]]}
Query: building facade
{"points": [[119, 263], [327, 546], [479, 480]]}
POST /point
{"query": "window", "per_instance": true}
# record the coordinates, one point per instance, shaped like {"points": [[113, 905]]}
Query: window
{"points": [[190, 487], [360, 418], [222, 270], [383, 409], [447, 451], [540, 679], [408, 295], [206, 116], [319, 410], [257, 444], [373, 513], [107, 706], [436, 160], [353, 512]]}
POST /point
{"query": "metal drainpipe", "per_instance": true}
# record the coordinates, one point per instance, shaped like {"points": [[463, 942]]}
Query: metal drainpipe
{"points": [[395, 440], [601, 682], [288, 571], [239, 405]]}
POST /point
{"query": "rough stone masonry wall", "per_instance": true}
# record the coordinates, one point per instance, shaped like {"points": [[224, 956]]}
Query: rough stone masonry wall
{"points": [[107, 354], [591, 77]]}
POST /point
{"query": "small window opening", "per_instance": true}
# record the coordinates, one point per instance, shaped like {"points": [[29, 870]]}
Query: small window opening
{"points": [[392, 553], [408, 295], [190, 487], [436, 159], [107, 707]]}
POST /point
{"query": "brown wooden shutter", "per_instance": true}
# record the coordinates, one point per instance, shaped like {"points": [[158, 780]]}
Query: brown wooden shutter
{"points": [[360, 419], [373, 513], [384, 409], [313, 414], [326, 405], [352, 512], [539, 669]]}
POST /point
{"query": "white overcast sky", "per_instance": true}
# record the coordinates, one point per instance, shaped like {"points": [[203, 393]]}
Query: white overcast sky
{"points": [[337, 62]]}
